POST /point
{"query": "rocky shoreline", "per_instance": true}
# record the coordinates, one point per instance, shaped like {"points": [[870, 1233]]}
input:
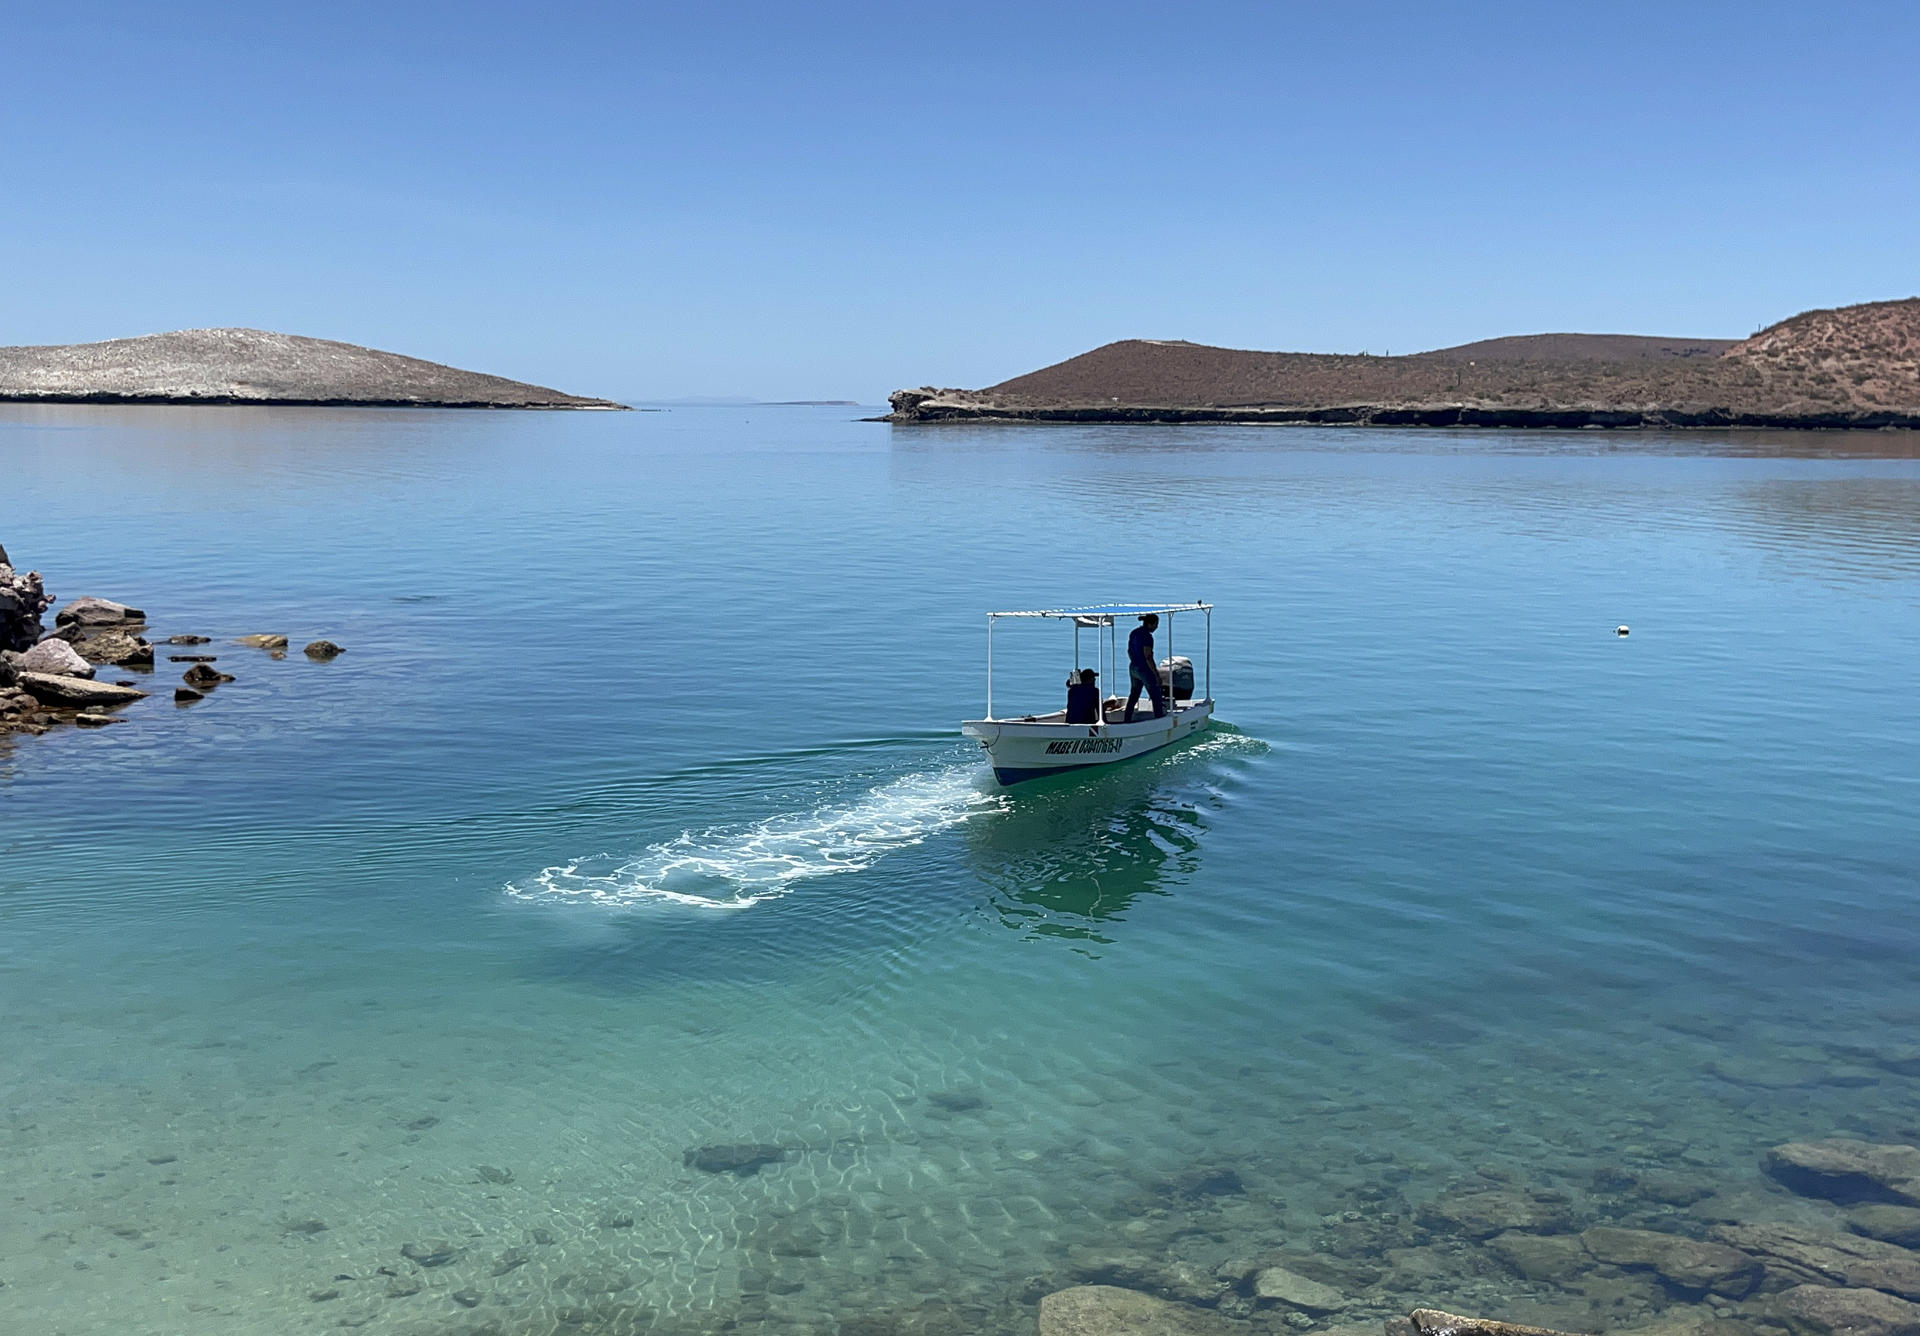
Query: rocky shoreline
{"points": [[51, 678], [949, 406]]}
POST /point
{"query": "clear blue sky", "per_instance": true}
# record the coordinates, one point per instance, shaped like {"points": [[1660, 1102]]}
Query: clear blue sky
{"points": [[835, 200]]}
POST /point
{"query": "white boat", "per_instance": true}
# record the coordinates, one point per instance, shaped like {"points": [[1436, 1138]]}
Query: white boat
{"points": [[1029, 746]]}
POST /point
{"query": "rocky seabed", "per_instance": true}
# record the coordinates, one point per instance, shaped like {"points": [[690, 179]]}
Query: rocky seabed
{"points": [[1652, 1253]]}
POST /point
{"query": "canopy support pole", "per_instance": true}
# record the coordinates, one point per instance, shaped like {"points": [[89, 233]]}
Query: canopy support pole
{"points": [[990, 621]]}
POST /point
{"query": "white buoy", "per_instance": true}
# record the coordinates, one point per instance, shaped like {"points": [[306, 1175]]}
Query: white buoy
{"points": [[1622, 629]]}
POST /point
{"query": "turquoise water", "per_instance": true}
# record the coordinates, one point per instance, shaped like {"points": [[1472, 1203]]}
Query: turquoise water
{"points": [[635, 820]]}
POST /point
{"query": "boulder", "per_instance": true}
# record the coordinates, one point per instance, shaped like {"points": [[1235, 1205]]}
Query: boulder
{"points": [[189, 640], [186, 696], [88, 719], [1823, 1310], [1290, 1289], [1542, 1257], [203, 675], [1894, 1224], [326, 649], [1846, 1171], [1105, 1310], [1433, 1322], [22, 599], [115, 647], [90, 611], [1684, 1263], [262, 641], [1481, 1215], [50, 689], [53, 656]]}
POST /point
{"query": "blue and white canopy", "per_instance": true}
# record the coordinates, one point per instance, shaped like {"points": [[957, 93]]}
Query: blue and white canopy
{"points": [[1105, 614]]}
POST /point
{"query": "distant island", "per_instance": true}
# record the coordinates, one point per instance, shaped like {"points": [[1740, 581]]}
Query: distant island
{"points": [[253, 366], [1852, 367]]}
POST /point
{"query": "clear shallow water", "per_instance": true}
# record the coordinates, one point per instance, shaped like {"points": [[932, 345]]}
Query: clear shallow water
{"points": [[635, 820]]}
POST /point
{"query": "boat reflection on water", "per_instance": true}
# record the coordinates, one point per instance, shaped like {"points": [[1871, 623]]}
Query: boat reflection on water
{"points": [[1072, 854]]}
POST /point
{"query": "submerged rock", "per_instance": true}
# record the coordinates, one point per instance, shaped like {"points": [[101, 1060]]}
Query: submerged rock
{"points": [[189, 640], [186, 696], [1684, 1263], [1795, 1255], [262, 641], [1206, 1180], [1823, 1310], [431, 1252], [201, 675], [1481, 1215], [1895, 1275], [1150, 1273], [1433, 1322], [53, 656], [87, 719], [510, 1260], [323, 650], [1542, 1257], [1276, 1284], [1671, 1189], [744, 1159], [1105, 1310], [1844, 1170], [1894, 1224]]}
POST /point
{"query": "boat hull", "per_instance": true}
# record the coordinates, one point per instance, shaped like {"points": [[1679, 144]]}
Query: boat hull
{"points": [[1021, 751]]}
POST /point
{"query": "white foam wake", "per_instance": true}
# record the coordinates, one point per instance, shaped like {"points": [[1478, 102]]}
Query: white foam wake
{"points": [[735, 867]]}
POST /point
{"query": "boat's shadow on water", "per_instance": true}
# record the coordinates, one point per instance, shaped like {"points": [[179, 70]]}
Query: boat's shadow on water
{"points": [[1072, 854]]}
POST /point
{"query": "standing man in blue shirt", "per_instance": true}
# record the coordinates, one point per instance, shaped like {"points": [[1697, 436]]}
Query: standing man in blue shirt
{"points": [[1146, 671]]}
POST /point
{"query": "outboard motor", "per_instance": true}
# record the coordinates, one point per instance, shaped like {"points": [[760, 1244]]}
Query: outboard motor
{"points": [[1180, 668]]}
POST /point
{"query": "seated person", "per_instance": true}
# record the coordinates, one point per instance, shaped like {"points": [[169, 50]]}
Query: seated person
{"points": [[1083, 697]]}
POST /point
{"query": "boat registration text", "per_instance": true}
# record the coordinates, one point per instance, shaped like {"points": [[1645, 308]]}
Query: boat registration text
{"points": [[1066, 746]]}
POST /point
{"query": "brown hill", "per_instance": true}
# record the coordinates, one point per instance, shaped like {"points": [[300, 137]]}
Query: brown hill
{"points": [[1579, 348], [253, 366], [1852, 367]]}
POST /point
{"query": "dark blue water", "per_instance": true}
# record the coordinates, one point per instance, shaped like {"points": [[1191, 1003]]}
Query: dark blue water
{"points": [[635, 819]]}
